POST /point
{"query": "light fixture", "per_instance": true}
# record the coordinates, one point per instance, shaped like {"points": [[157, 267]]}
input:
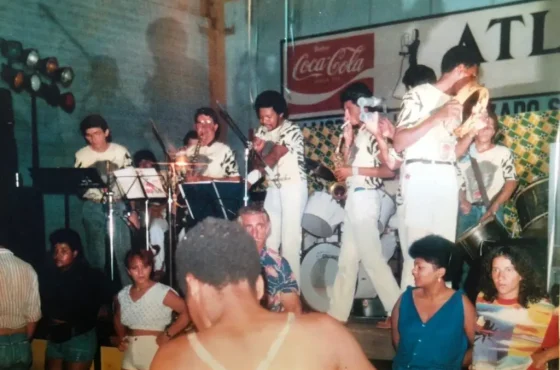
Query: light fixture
{"points": [[11, 49], [13, 77], [48, 66], [33, 82], [30, 57], [67, 102], [64, 75]]}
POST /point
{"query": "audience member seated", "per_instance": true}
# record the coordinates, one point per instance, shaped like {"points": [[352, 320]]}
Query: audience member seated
{"points": [[517, 326], [433, 325]]}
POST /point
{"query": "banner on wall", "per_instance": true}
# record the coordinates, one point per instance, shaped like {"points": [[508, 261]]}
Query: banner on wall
{"points": [[518, 45]]}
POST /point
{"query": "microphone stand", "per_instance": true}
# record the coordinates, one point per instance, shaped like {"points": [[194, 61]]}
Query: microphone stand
{"points": [[246, 143]]}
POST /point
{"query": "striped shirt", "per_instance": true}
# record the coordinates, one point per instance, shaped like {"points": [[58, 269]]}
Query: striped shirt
{"points": [[19, 292]]}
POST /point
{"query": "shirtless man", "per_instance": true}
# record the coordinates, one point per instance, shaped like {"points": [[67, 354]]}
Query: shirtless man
{"points": [[221, 268]]}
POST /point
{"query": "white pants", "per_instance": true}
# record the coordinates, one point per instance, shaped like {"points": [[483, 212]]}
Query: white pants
{"points": [[360, 241], [140, 352], [285, 206], [430, 204]]}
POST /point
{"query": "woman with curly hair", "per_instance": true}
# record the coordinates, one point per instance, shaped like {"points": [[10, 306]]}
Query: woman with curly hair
{"points": [[517, 326]]}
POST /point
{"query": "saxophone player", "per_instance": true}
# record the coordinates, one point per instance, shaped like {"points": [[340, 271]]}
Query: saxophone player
{"points": [[209, 159], [362, 171]]}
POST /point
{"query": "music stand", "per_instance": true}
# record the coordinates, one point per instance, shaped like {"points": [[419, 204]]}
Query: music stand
{"points": [[141, 184], [220, 199], [66, 181]]}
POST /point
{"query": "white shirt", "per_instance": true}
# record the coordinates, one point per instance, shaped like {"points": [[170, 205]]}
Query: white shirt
{"points": [[220, 158], [363, 153], [496, 166], [291, 167], [419, 103], [19, 292], [116, 154], [148, 312]]}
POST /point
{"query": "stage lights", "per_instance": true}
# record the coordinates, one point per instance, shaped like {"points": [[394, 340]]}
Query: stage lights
{"points": [[27, 76]]}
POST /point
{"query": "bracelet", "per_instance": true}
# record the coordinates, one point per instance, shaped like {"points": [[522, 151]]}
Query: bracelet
{"points": [[355, 171]]}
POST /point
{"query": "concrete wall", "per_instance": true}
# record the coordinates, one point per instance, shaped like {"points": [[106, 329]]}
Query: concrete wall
{"points": [[133, 60]]}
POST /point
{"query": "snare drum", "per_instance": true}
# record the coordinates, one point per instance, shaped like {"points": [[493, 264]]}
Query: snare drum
{"points": [[322, 215], [532, 207], [472, 240], [318, 272]]}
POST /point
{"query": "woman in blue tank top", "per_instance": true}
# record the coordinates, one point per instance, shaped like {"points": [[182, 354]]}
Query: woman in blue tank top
{"points": [[433, 325]]}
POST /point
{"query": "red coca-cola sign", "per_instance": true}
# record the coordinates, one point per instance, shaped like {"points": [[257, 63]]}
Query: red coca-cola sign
{"points": [[316, 70]]}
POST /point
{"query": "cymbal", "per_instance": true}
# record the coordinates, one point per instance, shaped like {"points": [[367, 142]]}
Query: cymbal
{"points": [[317, 169]]}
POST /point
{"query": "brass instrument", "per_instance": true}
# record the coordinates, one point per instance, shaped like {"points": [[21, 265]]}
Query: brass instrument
{"points": [[338, 190], [192, 168], [465, 96]]}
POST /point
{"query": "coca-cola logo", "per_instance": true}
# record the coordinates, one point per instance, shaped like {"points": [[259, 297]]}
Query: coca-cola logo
{"points": [[346, 60]]}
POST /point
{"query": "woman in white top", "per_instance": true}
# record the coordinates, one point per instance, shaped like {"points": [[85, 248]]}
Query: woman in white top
{"points": [[143, 313]]}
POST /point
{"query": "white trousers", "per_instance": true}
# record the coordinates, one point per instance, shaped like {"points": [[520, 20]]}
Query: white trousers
{"points": [[430, 202], [140, 352], [285, 206], [360, 242]]}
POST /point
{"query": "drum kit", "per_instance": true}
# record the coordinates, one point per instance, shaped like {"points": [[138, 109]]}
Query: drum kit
{"points": [[322, 223]]}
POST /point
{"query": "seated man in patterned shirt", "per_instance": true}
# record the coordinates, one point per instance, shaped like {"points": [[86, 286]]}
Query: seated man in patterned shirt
{"points": [[282, 292]]}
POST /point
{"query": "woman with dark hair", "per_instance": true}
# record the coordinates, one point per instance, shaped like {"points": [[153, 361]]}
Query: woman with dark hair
{"points": [[143, 317], [433, 325], [72, 294], [517, 326]]}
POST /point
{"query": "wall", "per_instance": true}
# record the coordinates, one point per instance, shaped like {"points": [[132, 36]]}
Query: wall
{"points": [[133, 60], [254, 69]]}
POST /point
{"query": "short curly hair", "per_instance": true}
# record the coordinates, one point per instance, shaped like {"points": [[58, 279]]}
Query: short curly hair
{"points": [[433, 249], [355, 91], [218, 252], [531, 289], [271, 99]]}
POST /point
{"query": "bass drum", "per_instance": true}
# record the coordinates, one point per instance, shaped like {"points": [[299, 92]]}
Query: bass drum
{"points": [[532, 208], [322, 215], [318, 271]]}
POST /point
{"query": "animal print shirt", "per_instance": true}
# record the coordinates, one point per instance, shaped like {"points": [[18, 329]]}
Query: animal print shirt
{"points": [[363, 153], [220, 160], [291, 167], [496, 166]]}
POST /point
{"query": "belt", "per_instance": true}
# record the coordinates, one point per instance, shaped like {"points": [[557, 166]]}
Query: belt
{"points": [[428, 161], [478, 204], [363, 189]]}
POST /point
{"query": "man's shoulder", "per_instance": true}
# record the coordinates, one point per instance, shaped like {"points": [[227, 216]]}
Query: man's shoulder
{"points": [[173, 354], [502, 151], [118, 148], [289, 127], [219, 147], [14, 260], [84, 152]]}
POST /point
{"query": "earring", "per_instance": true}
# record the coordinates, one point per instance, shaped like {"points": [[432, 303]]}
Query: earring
{"points": [[439, 280]]}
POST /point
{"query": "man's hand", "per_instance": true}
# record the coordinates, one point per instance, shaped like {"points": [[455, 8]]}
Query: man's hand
{"points": [[161, 339], [465, 207], [372, 124], [386, 127], [134, 219], [490, 212], [342, 173], [450, 113], [258, 144]]}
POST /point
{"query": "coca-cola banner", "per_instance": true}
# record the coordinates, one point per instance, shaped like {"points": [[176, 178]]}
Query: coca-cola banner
{"points": [[518, 45]]}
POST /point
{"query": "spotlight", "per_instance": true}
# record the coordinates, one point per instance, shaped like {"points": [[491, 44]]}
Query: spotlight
{"points": [[11, 49], [48, 66], [33, 82], [65, 75], [30, 57], [13, 77], [67, 102]]}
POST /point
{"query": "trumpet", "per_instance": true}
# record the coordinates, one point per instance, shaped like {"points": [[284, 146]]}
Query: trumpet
{"points": [[339, 189]]}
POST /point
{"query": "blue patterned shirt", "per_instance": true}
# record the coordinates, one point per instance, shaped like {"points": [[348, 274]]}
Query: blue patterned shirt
{"points": [[279, 278]]}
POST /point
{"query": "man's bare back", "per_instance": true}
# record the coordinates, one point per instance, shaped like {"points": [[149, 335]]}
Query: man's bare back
{"points": [[313, 341]]}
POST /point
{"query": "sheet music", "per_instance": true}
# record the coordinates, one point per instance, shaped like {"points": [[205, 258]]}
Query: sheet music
{"points": [[140, 183]]}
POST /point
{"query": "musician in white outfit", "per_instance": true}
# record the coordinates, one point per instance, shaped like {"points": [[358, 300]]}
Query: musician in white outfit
{"points": [[360, 235], [280, 144], [429, 188]]}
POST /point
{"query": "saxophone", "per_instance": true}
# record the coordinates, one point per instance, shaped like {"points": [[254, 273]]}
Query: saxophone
{"points": [[193, 168], [338, 190]]}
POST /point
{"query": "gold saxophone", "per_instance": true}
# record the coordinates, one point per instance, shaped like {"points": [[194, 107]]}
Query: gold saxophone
{"points": [[338, 190], [193, 167]]}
